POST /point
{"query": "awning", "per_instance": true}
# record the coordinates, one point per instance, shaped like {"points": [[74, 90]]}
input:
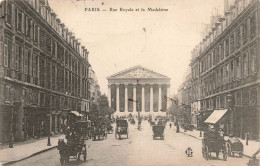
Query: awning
{"points": [[215, 116], [76, 113]]}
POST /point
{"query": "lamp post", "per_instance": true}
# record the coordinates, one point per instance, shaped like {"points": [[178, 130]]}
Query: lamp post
{"points": [[139, 122], [229, 100]]}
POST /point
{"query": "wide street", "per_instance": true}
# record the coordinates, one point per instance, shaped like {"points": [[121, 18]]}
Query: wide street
{"points": [[139, 150]]}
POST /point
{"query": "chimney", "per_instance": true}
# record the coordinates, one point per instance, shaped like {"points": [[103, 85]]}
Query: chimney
{"points": [[226, 6]]}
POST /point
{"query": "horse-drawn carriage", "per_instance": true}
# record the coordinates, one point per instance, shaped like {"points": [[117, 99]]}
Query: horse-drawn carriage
{"points": [[110, 128], [234, 145], [158, 131], [121, 128], [75, 146], [213, 142], [99, 132]]}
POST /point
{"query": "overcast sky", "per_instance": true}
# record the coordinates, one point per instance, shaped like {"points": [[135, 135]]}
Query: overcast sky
{"points": [[160, 41]]}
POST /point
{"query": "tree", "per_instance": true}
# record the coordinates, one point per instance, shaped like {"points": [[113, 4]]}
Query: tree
{"points": [[100, 111]]}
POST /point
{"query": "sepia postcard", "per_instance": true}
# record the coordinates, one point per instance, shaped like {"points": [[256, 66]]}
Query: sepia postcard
{"points": [[129, 82]]}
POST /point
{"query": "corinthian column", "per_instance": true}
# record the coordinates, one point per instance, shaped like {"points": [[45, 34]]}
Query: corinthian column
{"points": [[151, 98], [126, 98], [117, 97], [160, 98], [109, 95], [134, 98], [143, 99]]}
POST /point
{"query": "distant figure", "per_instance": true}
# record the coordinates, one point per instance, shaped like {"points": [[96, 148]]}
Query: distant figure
{"points": [[170, 125]]}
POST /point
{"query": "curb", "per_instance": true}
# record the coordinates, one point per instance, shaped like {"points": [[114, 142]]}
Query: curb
{"points": [[34, 154], [190, 135]]}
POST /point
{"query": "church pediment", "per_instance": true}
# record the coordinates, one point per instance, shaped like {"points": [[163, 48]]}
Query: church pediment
{"points": [[136, 72]]}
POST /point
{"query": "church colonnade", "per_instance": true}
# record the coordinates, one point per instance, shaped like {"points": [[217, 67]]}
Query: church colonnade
{"points": [[150, 97]]}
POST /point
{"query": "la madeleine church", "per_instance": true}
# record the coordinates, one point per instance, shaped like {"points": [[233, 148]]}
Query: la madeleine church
{"points": [[140, 84]]}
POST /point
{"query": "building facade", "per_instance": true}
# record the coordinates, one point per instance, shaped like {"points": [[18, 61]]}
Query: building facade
{"points": [[139, 84], [225, 68], [43, 71], [94, 86]]}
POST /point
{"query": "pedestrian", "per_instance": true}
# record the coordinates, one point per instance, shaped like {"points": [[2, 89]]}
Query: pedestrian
{"points": [[247, 137], [170, 125], [38, 133]]}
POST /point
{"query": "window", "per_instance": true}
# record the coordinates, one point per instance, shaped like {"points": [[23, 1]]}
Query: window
{"points": [[53, 49], [244, 32], [42, 39], [238, 99], [18, 57], [245, 68], [19, 21], [227, 47], [7, 53], [7, 93], [48, 43], [252, 26], [42, 99], [216, 55], [35, 65], [36, 34], [25, 63], [6, 57], [232, 43], [48, 74], [53, 77], [28, 27], [9, 13], [221, 50], [253, 64], [253, 96], [42, 72], [238, 68], [238, 40]]}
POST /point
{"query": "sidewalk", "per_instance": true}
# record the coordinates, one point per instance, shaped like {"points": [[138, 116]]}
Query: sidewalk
{"points": [[23, 151], [249, 149]]}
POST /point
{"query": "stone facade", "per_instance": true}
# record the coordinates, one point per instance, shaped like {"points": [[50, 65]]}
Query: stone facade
{"points": [[142, 85], [43, 71], [226, 63]]}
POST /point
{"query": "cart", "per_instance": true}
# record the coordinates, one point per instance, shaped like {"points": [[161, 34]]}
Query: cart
{"points": [[74, 149], [158, 131], [213, 142], [110, 129], [121, 128], [234, 145], [83, 128]]}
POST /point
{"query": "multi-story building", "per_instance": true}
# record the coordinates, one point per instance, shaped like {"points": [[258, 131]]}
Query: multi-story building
{"points": [[94, 87], [225, 72], [184, 98], [43, 70]]}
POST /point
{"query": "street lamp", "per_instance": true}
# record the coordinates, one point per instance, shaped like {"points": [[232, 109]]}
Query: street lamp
{"points": [[139, 122]]}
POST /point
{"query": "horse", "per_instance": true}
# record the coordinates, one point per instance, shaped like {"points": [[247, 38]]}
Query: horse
{"points": [[63, 150]]}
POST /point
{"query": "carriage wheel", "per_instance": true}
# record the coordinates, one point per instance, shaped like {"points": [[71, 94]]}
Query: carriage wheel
{"points": [[206, 152]]}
